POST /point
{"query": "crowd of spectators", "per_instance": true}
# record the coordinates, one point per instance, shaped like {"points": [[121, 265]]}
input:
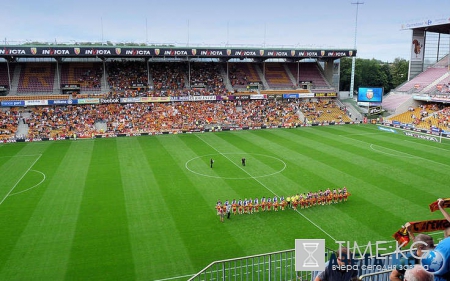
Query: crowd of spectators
{"points": [[207, 78], [123, 74], [238, 77], [91, 78], [133, 118], [168, 76], [167, 79], [9, 121], [320, 110]]}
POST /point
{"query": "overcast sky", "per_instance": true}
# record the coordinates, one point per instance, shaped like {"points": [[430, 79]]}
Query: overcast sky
{"points": [[282, 23]]}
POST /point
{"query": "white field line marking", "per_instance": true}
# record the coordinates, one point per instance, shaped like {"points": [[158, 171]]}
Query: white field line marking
{"points": [[362, 134], [43, 179], [25, 155], [410, 155], [9, 192], [176, 277], [257, 180], [228, 178], [430, 146], [391, 154]]}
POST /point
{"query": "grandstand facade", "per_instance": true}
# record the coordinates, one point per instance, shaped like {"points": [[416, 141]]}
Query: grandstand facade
{"points": [[56, 69], [421, 102]]}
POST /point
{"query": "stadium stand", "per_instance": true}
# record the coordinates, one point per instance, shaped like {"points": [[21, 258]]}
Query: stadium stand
{"points": [[9, 121], [168, 76], [122, 74], [324, 110], [393, 100], [422, 80], [417, 116], [87, 74], [176, 117], [309, 71], [206, 78], [241, 74], [4, 79], [36, 78], [276, 76]]}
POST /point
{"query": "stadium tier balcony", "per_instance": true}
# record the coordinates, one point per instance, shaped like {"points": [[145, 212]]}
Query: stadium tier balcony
{"points": [[422, 80], [309, 71], [123, 74], [36, 78], [207, 76], [88, 75], [241, 74], [34, 97], [276, 76], [168, 76]]}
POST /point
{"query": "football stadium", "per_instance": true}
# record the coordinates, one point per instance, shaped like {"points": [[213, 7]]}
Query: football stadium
{"points": [[136, 162]]}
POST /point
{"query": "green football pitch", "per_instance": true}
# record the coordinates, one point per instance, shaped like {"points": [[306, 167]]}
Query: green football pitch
{"points": [[142, 208]]}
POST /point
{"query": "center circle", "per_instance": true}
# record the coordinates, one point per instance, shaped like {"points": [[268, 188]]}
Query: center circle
{"points": [[200, 165]]}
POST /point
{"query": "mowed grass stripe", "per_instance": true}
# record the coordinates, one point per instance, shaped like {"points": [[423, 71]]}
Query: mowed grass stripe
{"points": [[149, 218], [9, 176], [194, 214], [410, 147], [330, 167], [310, 171], [16, 210], [406, 200], [376, 171], [176, 213], [256, 222], [101, 247], [42, 250], [418, 174], [386, 162], [421, 148], [212, 238]]}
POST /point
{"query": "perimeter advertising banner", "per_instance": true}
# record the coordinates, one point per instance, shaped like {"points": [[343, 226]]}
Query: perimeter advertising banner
{"points": [[13, 103]]}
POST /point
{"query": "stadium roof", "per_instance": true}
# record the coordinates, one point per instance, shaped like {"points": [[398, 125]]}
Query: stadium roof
{"points": [[54, 51], [438, 25]]}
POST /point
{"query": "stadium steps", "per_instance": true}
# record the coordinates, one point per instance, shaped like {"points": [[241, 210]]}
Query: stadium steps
{"points": [[56, 85], [100, 126], [289, 73], [261, 76], [104, 84], [22, 128], [432, 86], [225, 78], [15, 80]]}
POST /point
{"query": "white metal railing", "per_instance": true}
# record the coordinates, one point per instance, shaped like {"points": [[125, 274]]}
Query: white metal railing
{"points": [[281, 266]]}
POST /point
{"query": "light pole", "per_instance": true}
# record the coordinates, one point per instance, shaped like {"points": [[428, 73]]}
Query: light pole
{"points": [[352, 79]]}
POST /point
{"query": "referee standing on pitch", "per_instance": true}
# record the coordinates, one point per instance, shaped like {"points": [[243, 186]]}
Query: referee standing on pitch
{"points": [[243, 161], [211, 162]]}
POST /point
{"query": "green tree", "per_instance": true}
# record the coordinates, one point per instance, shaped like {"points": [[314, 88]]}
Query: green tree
{"points": [[399, 71], [373, 73]]}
